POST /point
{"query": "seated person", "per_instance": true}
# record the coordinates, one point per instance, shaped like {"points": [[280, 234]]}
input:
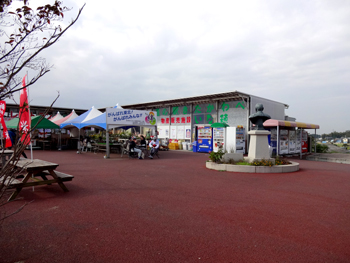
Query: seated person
{"points": [[132, 147], [154, 145], [165, 144], [143, 143], [126, 143]]}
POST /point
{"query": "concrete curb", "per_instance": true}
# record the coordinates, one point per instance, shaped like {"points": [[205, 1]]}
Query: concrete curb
{"points": [[327, 159], [293, 167]]}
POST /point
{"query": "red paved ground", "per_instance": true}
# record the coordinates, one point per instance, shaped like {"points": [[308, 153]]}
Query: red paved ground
{"points": [[173, 209]]}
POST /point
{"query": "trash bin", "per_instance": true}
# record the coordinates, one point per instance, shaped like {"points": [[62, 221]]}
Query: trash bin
{"points": [[190, 147], [184, 146]]}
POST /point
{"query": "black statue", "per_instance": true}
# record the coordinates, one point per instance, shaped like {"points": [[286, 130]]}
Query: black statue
{"points": [[259, 117]]}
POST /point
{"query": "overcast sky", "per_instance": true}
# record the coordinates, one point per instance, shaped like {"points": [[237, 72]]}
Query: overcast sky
{"points": [[294, 51]]}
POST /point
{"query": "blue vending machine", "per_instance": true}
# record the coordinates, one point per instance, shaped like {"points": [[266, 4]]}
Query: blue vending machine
{"points": [[204, 139]]}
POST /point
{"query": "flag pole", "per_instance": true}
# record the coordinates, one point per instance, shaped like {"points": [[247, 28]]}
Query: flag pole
{"points": [[2, 147], [30, 134]]}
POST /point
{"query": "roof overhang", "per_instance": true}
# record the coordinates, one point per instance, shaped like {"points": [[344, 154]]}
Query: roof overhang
{"points": [[275, 123], [227, 96]]}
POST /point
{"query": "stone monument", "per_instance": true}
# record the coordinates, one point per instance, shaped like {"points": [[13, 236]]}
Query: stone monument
{"points": [[259, 144]]}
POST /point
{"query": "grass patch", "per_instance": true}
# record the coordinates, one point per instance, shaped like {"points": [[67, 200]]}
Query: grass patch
{"points": [[242, 163]]}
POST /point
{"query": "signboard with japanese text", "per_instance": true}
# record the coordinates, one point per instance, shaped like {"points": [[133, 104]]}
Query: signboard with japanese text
{"points": [[233, 113], [204, 113], [182, 110], [130, 117], [180, 132], [188, 132], [174, 120], [177, 117], [163, 131], [173, 131]]}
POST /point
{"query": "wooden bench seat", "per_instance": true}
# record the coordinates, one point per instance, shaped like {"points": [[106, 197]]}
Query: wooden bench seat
{"points": [[15, 183], [64, 177], [12, 183]]}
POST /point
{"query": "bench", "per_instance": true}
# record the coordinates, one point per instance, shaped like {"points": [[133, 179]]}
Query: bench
{"points": [[15, 183], [12, 183], [63, 176], [31, 170]]}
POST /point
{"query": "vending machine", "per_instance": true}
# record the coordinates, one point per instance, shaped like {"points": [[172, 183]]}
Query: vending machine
{"points": [[235, 139], [273, 140], [292, 141], [219, 139], [204, 139], [284, 141], [304, 142], [298, 143], [240, 139]]}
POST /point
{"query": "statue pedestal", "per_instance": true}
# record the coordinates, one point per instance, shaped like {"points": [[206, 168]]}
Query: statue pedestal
{"points": [[259, 146]]}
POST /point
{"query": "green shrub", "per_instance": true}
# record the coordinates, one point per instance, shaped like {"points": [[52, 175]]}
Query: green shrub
{"points": [[281, 161], [230, 161], [216, 156], [321, 148], [262, 162]]}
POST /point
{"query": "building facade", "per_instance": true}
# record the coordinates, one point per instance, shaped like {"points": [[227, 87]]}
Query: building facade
{"points": [[178, 118], [12, 111]]}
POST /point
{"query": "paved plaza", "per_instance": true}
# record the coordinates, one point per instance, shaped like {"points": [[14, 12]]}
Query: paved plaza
{"points": [[173, 209]]}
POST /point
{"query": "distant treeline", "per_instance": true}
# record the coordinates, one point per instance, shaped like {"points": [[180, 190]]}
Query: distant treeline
{"points": [[335, 134]]}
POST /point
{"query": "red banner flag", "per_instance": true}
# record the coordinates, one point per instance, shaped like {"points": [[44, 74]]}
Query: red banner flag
{"points": [[24, 116], [5, 133]]}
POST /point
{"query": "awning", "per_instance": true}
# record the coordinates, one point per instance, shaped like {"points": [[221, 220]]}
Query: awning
{"points": [[43, 124], [275, 123], [219, 125]]}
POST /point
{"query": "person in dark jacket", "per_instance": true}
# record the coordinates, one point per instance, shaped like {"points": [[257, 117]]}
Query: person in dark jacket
{"points": [[132, 147], [12, 135]]}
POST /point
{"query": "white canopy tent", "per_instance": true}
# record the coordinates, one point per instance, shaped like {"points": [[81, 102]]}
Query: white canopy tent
{"points": [[70, 116], [57, 117], [116, 117], [77, 122], [97, 122], [58, 121]]}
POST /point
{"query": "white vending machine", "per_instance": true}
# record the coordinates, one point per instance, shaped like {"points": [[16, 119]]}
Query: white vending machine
{"points": [[240, 140], [235, 139], [219, 139]]}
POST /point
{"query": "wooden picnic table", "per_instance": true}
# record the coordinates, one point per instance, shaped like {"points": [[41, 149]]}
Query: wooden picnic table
{"points": [[36, 167], [112, 146], [44, 144]]}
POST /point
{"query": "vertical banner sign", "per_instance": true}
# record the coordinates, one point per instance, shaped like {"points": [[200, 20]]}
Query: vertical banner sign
{"points": [[8, 142], [24, 117]]}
